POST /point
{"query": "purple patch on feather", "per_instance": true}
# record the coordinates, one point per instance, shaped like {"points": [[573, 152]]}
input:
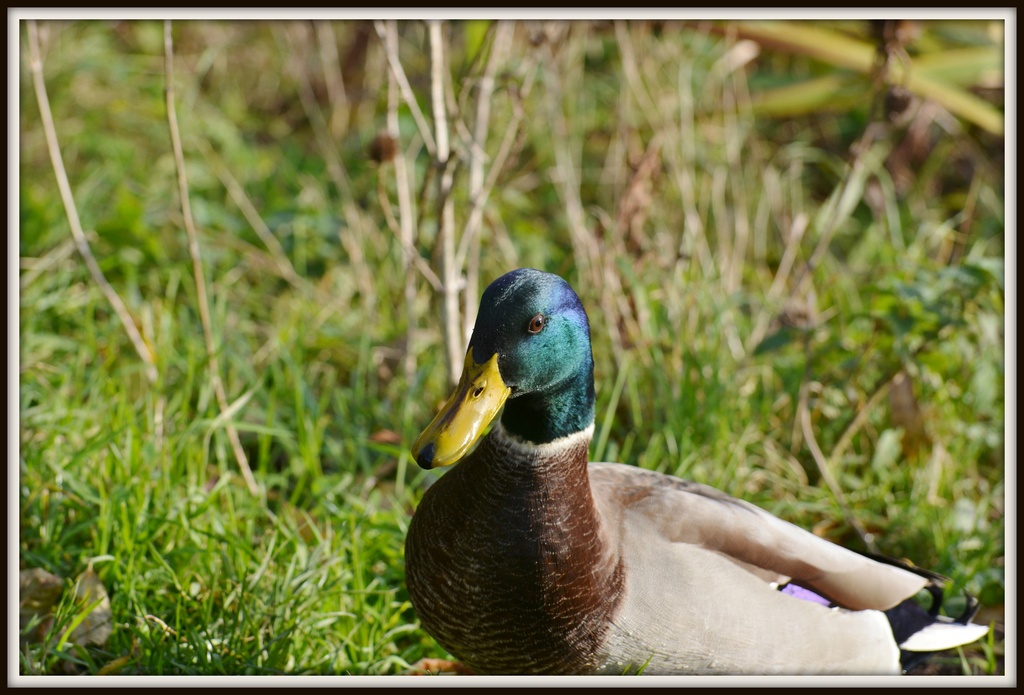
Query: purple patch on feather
{"points": [[804, 594]]}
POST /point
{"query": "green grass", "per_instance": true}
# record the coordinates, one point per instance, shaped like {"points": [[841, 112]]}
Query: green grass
{"points": [[720, 316]]}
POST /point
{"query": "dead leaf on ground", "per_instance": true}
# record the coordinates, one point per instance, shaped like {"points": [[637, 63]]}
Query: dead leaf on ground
{"points": [[99, 623], [386, 437], [115, 666], [436, 667], [39, 592]]}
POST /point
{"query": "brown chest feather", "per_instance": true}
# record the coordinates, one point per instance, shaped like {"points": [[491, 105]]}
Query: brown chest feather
{"points": [[507, 565]]}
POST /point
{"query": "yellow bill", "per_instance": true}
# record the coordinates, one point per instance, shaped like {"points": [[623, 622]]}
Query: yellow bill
{"points": [[477, 399]]}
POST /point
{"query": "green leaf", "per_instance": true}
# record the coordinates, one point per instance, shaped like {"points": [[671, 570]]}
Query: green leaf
{"points": [[776, 340], [994, 267], [474, 32], [844, 52], [986, 384], [966, 66], [887, 450], [829, 93]]}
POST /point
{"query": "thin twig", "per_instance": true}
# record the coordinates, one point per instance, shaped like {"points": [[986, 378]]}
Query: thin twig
{"points": [[478, 190], [824, 466], [477, 155], [861, 416], [197, 264], [878, 392], [36, 67], [407, 94], [796, 233], [421, 265], [238, 194], [454, 345], [329, 149]]}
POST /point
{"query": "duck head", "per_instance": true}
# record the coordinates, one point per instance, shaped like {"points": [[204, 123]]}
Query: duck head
{"points": [[531, 348]]}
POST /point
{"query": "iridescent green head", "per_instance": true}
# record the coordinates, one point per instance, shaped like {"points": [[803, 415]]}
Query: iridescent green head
{"points": [[531, 347]]}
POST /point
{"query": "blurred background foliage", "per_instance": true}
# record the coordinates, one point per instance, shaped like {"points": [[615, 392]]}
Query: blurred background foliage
{"points": [[789, 237]]}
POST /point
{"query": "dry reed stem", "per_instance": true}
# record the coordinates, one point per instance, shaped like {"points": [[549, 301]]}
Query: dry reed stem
{"points": [[406, 215], [595, 269], [734, 227], [498, 162], [158, 422], [197, 264], [328, 44], [740, 225], [35, 267], [634, 77], [679, 150], [36, 67], [842, 201], [478, 193], [450, 274], [627, 240], [565, 174]]}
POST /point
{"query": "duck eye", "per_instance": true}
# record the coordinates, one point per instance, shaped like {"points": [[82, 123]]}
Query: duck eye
{"points": [[536, 324]]}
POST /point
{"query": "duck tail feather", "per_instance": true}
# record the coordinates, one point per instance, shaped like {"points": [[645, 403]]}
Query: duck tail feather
{"points": [[943, 634], [935, 587]]}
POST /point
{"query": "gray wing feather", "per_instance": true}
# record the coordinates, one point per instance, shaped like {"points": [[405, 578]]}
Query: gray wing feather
{"points": [[687, 512]]}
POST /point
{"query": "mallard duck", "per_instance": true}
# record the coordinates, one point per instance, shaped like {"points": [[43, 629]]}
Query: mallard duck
{"points": [[527, 559]]}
